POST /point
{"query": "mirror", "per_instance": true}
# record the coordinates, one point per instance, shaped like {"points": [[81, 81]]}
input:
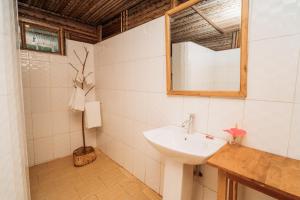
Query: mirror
{"points": [[207, 48]]}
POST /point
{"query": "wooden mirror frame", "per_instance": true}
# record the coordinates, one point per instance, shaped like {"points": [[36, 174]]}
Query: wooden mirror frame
{"points": [[242, 93]]}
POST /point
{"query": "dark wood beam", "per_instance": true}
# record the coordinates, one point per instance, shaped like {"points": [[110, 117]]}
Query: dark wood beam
{"points": [[36, 14], [207, 19], [125, 6], [61, 6]]}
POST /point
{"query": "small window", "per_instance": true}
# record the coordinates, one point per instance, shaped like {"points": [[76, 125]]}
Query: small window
{"points": [[40, 38]]}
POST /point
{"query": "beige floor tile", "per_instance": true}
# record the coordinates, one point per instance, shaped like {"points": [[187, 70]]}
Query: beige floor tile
{"points": [[101, 180]]}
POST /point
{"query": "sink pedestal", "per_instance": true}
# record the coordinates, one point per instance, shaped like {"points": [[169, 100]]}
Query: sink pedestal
{"points": [[178, 181]]}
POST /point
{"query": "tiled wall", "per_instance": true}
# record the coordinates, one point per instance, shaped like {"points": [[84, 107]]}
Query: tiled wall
{"points": [[13, 158], [53, 130], [130, 75]]}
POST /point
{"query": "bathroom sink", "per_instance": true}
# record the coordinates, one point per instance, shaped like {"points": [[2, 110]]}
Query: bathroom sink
{"points": [[182, 151], [176, 144]]}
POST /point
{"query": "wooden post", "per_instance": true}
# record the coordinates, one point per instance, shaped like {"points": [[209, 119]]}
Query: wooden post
{"points": [[174, 3], [232, 190], [99, 33], [235, 190], [222, 185]]}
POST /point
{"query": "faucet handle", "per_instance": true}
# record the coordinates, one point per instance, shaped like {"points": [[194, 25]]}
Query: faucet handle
{"points": [[190, 116], [187, 120]]}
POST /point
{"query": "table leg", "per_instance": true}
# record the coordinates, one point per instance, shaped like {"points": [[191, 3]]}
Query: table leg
{"points": [[232, 190], [222, 185], [235, 190]]}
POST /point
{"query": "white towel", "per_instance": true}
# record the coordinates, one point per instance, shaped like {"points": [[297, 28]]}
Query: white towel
{"points": [[72, 98], [92, 114], [77, 99], [88, 78], [79, 77]]}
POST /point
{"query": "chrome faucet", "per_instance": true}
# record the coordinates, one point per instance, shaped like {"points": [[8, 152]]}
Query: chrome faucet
{"points": [[187, 124]]}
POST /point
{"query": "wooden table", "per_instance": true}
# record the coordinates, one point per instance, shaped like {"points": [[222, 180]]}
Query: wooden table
{"points": [[274, 175]]}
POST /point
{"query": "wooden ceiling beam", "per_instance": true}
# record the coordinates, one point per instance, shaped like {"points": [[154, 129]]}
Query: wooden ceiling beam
{"points": [[37, 14], [207, 19], [124, 6]]}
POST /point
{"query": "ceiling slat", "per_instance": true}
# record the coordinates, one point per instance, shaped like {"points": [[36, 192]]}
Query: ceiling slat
{"points": [[81, 8], [125, 6], [92, 12], [104, 9], [94, 8], [61, 6], [73, 4]]}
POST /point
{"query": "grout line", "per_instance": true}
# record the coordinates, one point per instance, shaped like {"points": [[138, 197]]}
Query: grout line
{"points": [[208, 115], [132, 61], [293, 107], [164, 93], [244, 115], [275, 37]]}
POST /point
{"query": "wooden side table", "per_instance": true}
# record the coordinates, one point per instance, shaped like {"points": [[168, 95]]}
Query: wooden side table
{"points": [[274, 175]]}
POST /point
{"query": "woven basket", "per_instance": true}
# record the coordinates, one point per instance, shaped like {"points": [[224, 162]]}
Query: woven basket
{"points": [[83, 156]]}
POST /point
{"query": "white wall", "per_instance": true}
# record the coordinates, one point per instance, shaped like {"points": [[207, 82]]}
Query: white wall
{"points": [[53, 130], [227, 70], [195, 67], [200, 66], [178, 59], [130, 73], [13, 159]]}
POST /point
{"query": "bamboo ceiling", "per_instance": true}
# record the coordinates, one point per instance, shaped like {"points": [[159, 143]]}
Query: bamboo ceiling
{"points": [[214, 24], [93, 20], [91, 12]]}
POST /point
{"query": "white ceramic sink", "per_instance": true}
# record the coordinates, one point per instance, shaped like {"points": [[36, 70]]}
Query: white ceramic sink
{"points": [[182, 151], [174, 143]]}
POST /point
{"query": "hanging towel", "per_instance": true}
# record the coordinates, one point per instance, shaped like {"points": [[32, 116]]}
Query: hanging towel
{"points": [[88, 78], [72, 98], [77, 100], [92, 114], [79, 77]]}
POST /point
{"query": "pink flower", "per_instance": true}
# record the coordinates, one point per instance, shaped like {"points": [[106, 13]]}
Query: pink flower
{"points": [[235, 132]]}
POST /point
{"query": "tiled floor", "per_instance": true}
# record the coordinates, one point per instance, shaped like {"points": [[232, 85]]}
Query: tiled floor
{"points": [[100, 180]]}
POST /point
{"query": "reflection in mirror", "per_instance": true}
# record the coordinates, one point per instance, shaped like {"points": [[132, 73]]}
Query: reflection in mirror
{"points": [[205, 46]]}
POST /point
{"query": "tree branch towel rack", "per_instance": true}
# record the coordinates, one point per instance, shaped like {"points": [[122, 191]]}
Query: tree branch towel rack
{"points": [[85, 154]]}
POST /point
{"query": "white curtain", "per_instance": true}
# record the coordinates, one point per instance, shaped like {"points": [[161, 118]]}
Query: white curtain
{"points": [[13, 157]]}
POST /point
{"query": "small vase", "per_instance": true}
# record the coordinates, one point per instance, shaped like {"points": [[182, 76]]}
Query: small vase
{"points": [[235, 141]]}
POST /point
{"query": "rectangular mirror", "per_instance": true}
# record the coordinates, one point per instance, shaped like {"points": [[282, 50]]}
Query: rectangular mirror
{"points": [[206, 44]]}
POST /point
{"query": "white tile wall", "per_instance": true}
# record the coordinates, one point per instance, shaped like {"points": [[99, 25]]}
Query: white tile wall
{"points": [[265, 13], [294, 147], [43, 149], [130, 81], [62, 145], [266, 122], [266, 56], [13, 158], [52, 130]]}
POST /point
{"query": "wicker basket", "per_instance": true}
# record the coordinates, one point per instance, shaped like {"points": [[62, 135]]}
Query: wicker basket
{"points": [[83, 156]]}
